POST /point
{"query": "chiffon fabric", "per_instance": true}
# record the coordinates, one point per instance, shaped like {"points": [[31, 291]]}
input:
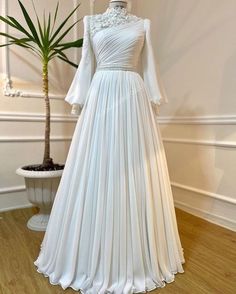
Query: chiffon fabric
{"points": [[113, 227]]}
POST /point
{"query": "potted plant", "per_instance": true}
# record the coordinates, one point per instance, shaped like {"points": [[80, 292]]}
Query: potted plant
{"points": [[46, 41]]}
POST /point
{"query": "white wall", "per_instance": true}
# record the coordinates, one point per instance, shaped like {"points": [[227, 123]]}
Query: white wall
{"points": [[194, 42]]}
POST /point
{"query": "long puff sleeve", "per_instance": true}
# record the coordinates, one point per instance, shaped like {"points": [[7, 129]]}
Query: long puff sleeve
{"points": [[150, 70], [81, 82]]}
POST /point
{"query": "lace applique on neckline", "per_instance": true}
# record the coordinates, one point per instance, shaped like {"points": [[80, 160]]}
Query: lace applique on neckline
{"points": [[112, 17]]}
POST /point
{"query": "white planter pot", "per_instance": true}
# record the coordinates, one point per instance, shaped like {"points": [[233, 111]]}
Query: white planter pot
{"points": [[41, 187]]}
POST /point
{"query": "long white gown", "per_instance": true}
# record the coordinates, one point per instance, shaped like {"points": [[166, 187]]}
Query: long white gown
{"points": [[112, 227]]}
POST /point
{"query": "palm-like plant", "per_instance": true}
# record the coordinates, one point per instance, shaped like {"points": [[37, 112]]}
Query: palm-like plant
{"points": [[47, 43]]}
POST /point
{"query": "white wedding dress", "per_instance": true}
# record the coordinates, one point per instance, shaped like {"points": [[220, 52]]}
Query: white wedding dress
{"points": [[112, 227]]}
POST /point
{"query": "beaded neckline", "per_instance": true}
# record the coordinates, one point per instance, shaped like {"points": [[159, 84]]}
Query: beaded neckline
{"points": [[115, 11], [113, 16]]}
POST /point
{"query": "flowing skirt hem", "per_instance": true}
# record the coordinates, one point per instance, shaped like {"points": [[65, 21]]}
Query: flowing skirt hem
{"points": [[59, 283]]}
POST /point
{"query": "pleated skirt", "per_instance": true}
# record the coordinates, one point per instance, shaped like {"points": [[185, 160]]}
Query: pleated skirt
{"points": [[112, 227]]}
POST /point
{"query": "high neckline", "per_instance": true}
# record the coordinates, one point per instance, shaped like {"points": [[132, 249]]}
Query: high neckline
{"points": [[112, 17], [116, 10]]}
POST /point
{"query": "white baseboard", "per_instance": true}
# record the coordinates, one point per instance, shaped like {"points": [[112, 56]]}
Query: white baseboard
{"points": [[22, 206], [209, 216], [12, 189], [14, 199]]}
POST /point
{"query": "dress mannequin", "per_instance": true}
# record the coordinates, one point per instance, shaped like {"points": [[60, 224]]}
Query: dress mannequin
{"points": [[114, 3]]}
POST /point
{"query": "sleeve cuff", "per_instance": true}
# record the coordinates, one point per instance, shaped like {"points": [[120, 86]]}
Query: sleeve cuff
{"points": [[159, 100], [76, 109]]}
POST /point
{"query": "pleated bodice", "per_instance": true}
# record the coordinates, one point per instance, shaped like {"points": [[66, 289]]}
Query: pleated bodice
{"points": [[119, 46]]}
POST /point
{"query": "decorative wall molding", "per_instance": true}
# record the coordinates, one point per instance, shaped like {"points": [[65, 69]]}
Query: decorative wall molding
{"points": [[214, 143], [8, 88], [22, 139], [38, 117], [227, 119], [205, 193], [173, 184], [35, 117], [203, 120]]}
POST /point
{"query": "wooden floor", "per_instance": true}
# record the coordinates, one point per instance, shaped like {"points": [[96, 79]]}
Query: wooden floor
{"points": [[210, 253]]}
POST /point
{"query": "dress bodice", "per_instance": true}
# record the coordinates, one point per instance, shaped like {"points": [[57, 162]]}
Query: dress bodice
{"points": [[119, 46]]}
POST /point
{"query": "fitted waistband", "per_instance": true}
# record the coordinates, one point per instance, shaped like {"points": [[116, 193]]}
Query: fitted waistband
{"points": [[115, 67]]}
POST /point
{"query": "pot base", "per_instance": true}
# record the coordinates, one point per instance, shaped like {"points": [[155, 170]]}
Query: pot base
{"points": [[38, 222], [41, 188]]}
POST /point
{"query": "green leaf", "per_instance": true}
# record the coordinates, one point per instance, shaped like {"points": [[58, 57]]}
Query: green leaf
{"points": [[39, 38], [48, 26], [30, 24], [14, 24], [69, 62], [75, 44], [57, 52], [7, 21], [63, 57], [61, 53], [14, 39], [55, 16], [41, 31], [4, 45], [44, 22], [22, 42], [7, 36], [64, 34], [19, 27], [39, 24], [63, 23]]}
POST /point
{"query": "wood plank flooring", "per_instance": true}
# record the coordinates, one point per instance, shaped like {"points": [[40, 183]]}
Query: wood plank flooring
{"points": [[209, 250]]}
